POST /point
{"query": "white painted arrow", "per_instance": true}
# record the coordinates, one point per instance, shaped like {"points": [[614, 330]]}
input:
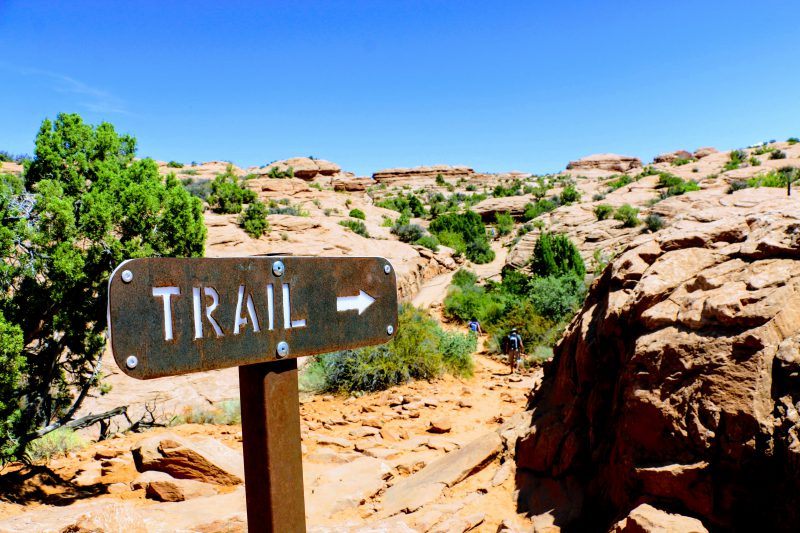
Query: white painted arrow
{"points": [[350, 303]]}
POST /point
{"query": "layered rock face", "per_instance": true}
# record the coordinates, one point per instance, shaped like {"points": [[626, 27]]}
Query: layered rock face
{"points": [[610, 162], [392, 175], [672, 156], [678, 384]]}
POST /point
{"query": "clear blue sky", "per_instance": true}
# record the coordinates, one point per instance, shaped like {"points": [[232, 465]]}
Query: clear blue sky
{"points": [[493, 85]]}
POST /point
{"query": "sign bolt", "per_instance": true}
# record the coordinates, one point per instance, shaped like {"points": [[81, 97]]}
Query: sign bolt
{"points": [[387, 269], [127, 276], [283, 349], [389, 330], [131, 361], [278, 269]]}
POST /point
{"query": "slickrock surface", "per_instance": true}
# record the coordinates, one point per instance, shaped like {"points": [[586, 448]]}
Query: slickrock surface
{"points": [[677, 383], [610, 162]]}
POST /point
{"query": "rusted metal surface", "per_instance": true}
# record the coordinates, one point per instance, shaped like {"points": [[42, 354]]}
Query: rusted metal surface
{"points": [[174, 316], [273, 466]]}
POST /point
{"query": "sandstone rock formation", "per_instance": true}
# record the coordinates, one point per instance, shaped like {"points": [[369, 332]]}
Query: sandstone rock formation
{"points": [[705, 151], [304, 168], [677, 384], [351, 184], [610, 162], [672, 156], [393, 175], [208, 460], [647, 519]]}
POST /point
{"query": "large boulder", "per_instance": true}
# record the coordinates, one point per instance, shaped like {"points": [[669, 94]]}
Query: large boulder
{"points": [[672, 156], [609, 162], [647, 519], [705, 151], [205, 460], [304, 168], [678, 384], [351, 184]]}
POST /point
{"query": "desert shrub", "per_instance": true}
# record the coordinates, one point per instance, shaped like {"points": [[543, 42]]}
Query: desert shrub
{"points": [[228, 194], [737, 186], [603, 211], [94, 205], [358, 213], [440, 180], [57, 442], [465, 302], [792, 140], [504, 223], [601, 261], [649, 170], [419, 350], [773, 178], [754, 161], [387, 222], [224, 413], [556, 255], [681, 161], [471, 187], [356, 226], [409, 232], [654, 222], [618, 181], [174, 164], [292, 210], [628, 215], [471, 230], [189, 172], [735, 159], [276, 173], [569, 195], [778, 154], [763, 149], [254, 219], [457, 349], [428, 241], [533, 210], [401, 203], [556, 297]]}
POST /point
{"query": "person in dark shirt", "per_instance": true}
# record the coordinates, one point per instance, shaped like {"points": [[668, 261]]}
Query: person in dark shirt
{"points": [[513, 348]]}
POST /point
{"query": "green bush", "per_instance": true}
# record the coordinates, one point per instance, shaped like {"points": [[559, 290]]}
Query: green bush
{"points": [[628, 215], [533, 210], [736, 158], [778, 154], [440, 180], [618, 181], [174, 164], [471, 230], [356, 226], [254, 219], [792, 140], [276, 173], [409, 232], [556, 255], [654, 222], [515, 189], [401, 203], [754, 161], [763, 149], [419, 350], [557, 297], [428, 241], [94, 205], [224, 413], [681, 161], [358, 213], [57, 442], [737, 186], [672, 185], [569, 195], [228, 194], [603, 211], [773, 178], [504, 223]]}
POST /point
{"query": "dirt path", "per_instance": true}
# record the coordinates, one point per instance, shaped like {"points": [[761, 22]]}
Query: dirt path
{"points": [[354, 449]]}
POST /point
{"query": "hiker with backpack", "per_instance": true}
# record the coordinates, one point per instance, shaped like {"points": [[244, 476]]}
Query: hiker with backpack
{"points": [[513, 348], [475, 326]]}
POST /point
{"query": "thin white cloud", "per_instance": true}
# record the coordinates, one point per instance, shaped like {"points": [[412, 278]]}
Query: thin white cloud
{"points": [[91, 98]]}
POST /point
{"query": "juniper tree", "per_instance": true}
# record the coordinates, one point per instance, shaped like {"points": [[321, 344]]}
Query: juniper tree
{"points": [[85, 206]]}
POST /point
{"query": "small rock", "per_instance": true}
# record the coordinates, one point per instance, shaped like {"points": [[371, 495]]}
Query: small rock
{"points": [[363, 431], [327, 398], [440, 425], [372, 421], [465, 403], [431, 402], [320, 438]]}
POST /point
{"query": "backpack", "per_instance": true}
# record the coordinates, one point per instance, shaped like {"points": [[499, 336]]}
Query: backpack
{"points": [[473, 326], [513, 342]]}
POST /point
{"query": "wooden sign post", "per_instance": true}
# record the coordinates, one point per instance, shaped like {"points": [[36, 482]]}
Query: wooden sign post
{"points": [[171, 316]]}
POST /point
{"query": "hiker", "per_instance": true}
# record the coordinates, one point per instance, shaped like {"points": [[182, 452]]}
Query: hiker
{"points": [[475, 326], [513, 348]]}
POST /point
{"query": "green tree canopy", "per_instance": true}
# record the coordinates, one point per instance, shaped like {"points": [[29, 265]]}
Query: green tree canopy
{"points": [[86, 206]]}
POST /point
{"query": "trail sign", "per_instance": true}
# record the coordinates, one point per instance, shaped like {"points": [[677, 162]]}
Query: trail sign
{"points": [[174, 316]]}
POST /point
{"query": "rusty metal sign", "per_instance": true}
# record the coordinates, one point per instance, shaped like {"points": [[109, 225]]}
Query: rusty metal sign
{"points": [[170, 316]]}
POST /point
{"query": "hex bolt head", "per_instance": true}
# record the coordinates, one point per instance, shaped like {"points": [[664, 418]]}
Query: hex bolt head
{"points": [[389, 330], [127, 276], [278, 268], [131, 361], [387, 269], [283, 349]]}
